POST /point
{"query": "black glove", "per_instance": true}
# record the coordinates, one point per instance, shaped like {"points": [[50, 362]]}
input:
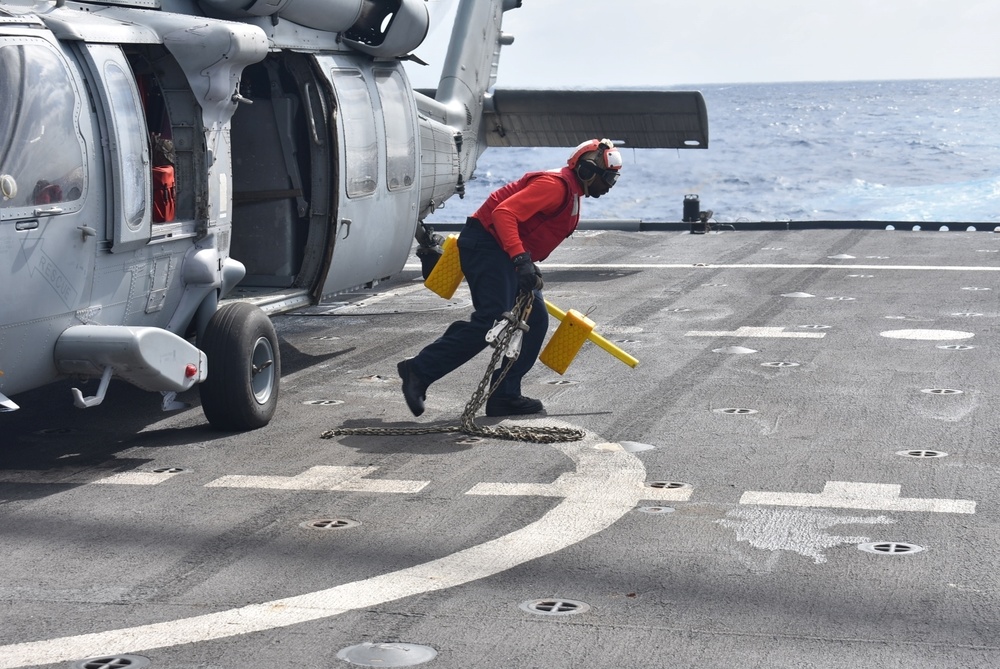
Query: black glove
{"points": [[529, 278]]}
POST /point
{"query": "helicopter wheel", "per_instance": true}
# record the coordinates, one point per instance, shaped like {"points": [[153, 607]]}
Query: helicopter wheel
{"points": [[244, 368]]}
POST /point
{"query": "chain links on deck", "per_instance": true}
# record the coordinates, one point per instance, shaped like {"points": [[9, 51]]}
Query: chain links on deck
{"points": [[536, 434]]}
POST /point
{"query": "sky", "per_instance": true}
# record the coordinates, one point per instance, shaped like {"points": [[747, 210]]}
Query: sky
{"points": [[602, 43]]}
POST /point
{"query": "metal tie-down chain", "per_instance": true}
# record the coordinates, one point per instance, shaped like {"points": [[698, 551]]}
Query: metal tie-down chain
{"points": [[513, 326]]}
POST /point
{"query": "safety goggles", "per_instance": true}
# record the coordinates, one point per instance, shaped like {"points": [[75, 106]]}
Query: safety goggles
{"points": [[589, 169]]}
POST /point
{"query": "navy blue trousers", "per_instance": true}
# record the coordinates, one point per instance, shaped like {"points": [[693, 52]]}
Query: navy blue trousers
{"points": [[493, 283]]}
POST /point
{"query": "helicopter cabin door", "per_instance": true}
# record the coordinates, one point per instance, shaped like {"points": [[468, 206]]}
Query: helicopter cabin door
{"points": [[375, 117], [124, 126]]}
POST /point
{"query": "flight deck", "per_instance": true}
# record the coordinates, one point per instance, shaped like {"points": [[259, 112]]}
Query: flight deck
{"points": [[799, 472]]}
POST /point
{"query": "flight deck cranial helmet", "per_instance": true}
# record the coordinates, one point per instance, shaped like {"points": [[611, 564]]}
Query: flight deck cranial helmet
{"points": [[597, 164]]}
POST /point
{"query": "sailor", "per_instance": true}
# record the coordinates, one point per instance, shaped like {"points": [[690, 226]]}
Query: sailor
{"points": [[518, 225]]}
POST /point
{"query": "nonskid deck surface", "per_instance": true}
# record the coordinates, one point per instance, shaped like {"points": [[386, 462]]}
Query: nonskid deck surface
{"points": [[800, 472]]}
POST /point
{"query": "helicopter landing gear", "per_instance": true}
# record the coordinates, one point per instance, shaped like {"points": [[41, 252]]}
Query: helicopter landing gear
{"points": [[244, 368]]}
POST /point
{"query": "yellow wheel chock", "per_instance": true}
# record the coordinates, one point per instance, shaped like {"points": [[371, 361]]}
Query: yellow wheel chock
{"points": [[568, 338], [447, 273], [573, 331]]}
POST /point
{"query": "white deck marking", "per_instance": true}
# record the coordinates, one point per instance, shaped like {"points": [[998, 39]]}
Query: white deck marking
{"points": [[798, 530], [746, 331], [927, 335], [574, 486], [347, 479], [136, 478], [626, 266], [607, 484], [848, 495], [84, 478]]}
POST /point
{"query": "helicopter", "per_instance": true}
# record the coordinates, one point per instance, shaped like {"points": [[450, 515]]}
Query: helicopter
{"points": [[157, 154]]}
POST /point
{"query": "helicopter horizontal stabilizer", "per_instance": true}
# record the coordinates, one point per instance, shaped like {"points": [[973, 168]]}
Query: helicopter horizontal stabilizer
{"points": [[637, 119]]}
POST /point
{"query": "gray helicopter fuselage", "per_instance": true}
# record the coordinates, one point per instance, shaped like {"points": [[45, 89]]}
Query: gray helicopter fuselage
{"points": [[159, 155]]}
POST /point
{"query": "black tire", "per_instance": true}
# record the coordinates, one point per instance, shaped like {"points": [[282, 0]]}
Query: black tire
{"points": [[244, 368]]}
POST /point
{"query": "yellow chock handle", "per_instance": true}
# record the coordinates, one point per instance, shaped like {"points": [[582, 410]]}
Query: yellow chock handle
{"points": [[596, 338]]}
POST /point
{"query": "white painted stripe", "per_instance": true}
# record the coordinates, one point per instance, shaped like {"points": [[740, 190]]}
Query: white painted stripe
{"points": [[927, 335], [756, 332], [573, 486], [608, 484], [871, 496], [137, 478], [347, 479], [84, 478], [620, 266]]}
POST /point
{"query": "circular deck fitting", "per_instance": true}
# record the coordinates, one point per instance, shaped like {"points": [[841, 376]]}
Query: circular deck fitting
{"points": [[167, 470], [655, 509], [329, 524], [956, 347], [942, 391], [735, 411], [890, 548], [113, 662], [779, 364], [921, 453], [323, 403], [555, 607], [815, 326], [386, 654], [667, 485]]}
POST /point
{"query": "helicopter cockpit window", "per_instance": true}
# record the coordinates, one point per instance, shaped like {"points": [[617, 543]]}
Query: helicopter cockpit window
{"points": [[41, 155], [400, 143], [355, 109]]}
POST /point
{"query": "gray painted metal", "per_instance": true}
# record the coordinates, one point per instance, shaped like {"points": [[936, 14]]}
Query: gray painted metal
{"points": [[717, 583], [637, 119]]}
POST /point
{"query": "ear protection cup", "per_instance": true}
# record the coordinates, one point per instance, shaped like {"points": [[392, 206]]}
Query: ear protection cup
{"points": [[587, 170]]}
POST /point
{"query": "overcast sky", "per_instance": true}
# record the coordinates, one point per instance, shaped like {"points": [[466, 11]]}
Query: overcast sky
{"points": [[581, 43]]}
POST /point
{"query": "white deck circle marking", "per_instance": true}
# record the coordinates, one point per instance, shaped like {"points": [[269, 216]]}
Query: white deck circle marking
{"points": [[606, 485], [927, 335]]}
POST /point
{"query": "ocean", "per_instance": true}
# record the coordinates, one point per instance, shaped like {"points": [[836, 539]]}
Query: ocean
{"points": [[911, 151]]}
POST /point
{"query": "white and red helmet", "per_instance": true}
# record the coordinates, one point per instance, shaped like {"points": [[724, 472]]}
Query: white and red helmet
{"points": [[597, 163]]}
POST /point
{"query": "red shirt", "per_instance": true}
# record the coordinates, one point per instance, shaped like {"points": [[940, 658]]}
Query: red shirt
{"points": [[535, 213]]}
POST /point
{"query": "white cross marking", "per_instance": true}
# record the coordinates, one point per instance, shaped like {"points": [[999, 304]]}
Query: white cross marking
{"points": [[347, 479], [847, 495]]}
